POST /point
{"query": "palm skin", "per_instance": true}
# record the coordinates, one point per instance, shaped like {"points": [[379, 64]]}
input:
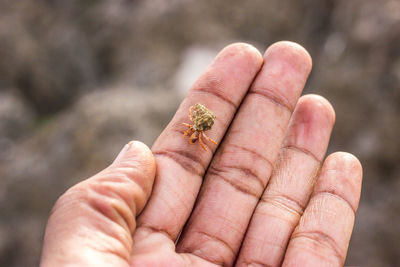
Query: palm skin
{"points": [[264, 196]]}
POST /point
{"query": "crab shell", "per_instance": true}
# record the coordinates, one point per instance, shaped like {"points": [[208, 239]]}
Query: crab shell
{"points": [[202, 117]]}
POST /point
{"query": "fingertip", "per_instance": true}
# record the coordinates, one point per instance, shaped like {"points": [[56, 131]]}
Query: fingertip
{"points": [[248, 53], [342, 175], [141, 148], [142, 153], [137, 162], [135, 150], [296, 54], [311, 125], [245, 49], [347, 163], [285, 71], [313, 104], [227, 79]]}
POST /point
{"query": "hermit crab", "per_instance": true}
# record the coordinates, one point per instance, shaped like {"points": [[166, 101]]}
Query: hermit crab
{"points": [[203, 120]]}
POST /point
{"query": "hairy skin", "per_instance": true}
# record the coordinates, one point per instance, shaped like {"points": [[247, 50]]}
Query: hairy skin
{"points": [[265, 196]]}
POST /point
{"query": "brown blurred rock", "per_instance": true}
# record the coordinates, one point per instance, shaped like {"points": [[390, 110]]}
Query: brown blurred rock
{"points": [[43, 55], [16, 119], [71, 147]]}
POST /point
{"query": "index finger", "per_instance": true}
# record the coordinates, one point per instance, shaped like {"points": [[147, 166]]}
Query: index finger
{"points": [[180, 165]]}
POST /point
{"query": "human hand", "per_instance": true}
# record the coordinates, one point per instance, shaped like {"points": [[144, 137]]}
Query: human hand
{"points": [[265, 197]]}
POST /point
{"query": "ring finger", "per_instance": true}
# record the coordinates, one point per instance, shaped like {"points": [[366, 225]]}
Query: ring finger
{"points": [[290, 187]]}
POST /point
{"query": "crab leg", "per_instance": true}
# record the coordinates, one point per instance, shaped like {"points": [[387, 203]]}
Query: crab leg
{"points": [[209, 139], [186, 133], [201, 142], [188, 130], [193, 138]]}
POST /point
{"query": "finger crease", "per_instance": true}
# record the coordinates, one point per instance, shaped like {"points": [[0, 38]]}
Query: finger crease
{"points": [[116, 252], [273, 97], [220, 241], [186, 160], [217, 94], [240, 186], [254, 153], [302, 150], [285, 202], [158, 230], [110, 231], [333, 193], [321, 239], [256, 263], [248, 173], [108, 203], [179, 131]]}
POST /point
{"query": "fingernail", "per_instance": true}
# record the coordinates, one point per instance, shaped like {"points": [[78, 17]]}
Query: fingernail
{"points": [[123, 151]]}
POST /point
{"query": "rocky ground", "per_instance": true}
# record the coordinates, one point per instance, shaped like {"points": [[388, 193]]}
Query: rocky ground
{"points": [[81, 78]]}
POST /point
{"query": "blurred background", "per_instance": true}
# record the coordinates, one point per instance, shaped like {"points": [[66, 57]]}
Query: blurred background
{"points": [[79, 79]]}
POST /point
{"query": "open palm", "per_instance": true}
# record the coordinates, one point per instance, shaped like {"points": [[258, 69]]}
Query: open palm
{"points": [[264, 196]]}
